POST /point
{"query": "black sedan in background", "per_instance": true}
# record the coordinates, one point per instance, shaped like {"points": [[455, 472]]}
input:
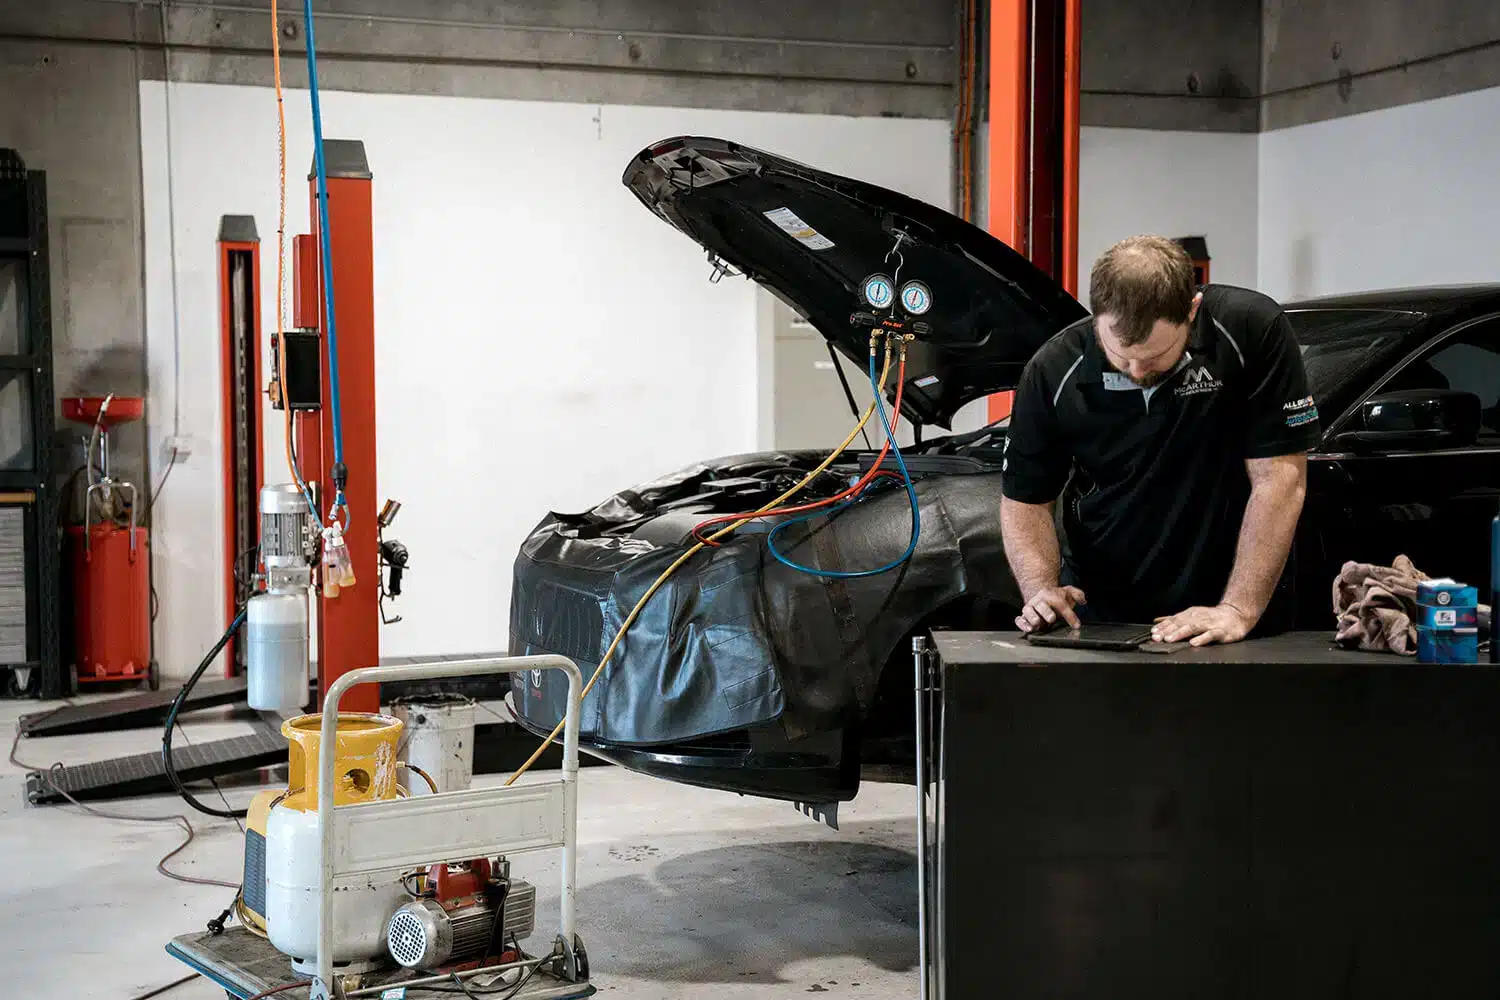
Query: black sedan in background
{"points": [[747, 675]]}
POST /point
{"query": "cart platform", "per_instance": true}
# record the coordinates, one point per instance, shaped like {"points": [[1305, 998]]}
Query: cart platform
{"points": [[246, 965]]}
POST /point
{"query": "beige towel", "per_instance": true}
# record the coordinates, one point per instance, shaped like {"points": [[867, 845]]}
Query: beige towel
{"points": [[1376, 606]]}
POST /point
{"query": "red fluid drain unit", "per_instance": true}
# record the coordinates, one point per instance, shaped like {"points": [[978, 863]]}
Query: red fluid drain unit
{"points": [[109, 559]]}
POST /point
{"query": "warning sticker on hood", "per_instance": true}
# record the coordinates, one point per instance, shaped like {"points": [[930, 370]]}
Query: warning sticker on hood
{"points": [[788, 222]]}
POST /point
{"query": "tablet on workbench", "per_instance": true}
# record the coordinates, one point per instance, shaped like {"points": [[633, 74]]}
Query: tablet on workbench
{"points": [[1113, 636]]}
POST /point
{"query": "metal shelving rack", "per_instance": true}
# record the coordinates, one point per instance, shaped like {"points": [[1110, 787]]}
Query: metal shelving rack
{"points": [[30, 655]]}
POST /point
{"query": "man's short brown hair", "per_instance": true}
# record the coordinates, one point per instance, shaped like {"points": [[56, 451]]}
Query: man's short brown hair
{"points": [[1140, 280]]}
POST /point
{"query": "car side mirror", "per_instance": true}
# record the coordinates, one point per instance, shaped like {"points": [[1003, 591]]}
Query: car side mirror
{"points": [[1415, 418]]}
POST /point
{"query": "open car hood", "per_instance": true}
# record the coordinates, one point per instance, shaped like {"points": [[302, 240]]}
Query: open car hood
{"points": [[812, 238]]}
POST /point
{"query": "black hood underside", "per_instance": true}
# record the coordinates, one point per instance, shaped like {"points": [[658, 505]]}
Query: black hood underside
{"points": [[812, 238]]}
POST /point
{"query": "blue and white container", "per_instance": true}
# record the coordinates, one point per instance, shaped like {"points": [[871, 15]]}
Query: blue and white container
{"points": [[1447, 622]]}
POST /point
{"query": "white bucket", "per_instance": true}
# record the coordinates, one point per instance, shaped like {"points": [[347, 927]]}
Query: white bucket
{"points": [[439, 739]]}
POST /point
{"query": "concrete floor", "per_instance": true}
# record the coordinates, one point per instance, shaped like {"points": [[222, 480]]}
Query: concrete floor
{"points": [[682, 892]]}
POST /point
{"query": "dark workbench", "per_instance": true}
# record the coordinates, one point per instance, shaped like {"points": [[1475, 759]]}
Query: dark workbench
{"points": [[1276, 818]]}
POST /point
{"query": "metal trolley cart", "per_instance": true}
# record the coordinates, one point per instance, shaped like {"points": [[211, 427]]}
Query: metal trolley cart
{"points": [[422, 830]]}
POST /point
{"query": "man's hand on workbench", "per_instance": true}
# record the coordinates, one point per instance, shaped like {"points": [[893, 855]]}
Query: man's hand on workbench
{"points": [[1049, 604], [1202, 626]]}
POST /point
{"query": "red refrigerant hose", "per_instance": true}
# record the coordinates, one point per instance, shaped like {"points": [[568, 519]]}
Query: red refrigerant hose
{"points": [[864, 480]]}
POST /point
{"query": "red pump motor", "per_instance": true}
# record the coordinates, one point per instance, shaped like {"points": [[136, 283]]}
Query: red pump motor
{"points": [[110, 561]]}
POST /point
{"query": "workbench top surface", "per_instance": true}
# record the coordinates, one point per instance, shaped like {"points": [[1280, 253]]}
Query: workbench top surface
{"points": [[1288, 649]]}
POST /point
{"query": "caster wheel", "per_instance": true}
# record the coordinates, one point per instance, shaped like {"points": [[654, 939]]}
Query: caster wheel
{"points": [[72, 689], [153, 677]]}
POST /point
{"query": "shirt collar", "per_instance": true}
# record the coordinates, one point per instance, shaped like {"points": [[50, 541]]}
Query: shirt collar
{"points": [[1095, 366], [1198, 331]]}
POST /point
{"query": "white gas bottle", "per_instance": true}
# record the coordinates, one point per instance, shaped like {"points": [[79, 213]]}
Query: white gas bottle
{"points": [[361, 908]]}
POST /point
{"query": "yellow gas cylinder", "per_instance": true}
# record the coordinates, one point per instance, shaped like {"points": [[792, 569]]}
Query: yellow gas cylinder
{"points": [[365, 765], [365, 771]]}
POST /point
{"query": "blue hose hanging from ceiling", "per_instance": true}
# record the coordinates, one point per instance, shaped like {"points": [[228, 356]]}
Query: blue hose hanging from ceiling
{"points": [[339, 471]]}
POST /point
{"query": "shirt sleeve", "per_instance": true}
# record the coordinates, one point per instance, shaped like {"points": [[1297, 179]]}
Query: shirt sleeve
{"points": [[1037, 460], [1281, 416]]}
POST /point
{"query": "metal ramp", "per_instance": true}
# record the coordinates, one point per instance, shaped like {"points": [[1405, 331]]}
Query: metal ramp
{"points": [[498, 747], [143, 774], [137, 711], [148, 709]]}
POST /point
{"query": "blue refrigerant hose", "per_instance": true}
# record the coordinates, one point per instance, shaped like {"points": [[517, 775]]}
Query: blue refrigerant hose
{"points": [[339, 472], [911, 492]]}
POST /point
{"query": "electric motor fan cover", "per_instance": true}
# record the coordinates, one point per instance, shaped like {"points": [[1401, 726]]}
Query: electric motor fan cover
{"points": [[426, 934]]}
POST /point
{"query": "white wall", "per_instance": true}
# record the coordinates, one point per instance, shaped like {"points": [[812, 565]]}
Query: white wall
{"points": [[541, 339], [1403, 196], [1173, 184], [1133, 181]]}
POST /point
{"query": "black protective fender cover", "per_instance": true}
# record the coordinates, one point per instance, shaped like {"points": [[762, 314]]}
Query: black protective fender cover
{"points": [[735, 639]]}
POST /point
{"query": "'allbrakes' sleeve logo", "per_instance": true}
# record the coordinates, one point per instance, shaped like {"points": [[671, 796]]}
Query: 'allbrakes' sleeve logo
{"points": [[1300, 411]]}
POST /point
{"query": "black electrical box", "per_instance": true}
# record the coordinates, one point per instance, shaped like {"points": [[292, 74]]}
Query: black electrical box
{"points": [[302, 370]]}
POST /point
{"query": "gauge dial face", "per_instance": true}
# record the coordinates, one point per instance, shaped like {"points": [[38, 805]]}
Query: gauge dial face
{"points": [[916, 298], [880, 291]]}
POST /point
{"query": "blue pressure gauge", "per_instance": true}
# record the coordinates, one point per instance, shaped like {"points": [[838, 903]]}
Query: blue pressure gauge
{"points": [[916, 298], [880, 291]]}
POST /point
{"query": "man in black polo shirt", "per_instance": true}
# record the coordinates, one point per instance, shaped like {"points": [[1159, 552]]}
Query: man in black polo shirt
{"points": [[1174, 425]]}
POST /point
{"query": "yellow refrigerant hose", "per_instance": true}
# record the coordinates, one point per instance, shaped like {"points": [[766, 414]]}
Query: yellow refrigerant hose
{"points": [[667, 573]]}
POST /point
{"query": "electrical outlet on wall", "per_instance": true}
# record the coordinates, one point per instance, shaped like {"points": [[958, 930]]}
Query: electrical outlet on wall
{"points": [[176, 448]]}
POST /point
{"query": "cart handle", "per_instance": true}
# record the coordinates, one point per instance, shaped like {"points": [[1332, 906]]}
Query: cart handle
{"points": [[323, 986]]}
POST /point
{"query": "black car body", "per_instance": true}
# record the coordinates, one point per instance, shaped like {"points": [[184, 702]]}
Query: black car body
{"points": [[744, 674]]}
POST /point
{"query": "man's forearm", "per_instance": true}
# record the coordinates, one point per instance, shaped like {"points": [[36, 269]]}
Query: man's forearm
{"points": [[1030, 545], [1278, 486]]}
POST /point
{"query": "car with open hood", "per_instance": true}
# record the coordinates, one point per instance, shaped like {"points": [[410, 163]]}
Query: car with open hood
{"points": [[744, 673]]}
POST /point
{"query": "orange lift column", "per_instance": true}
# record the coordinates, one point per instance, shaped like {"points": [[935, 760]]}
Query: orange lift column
{"points": [[240, 414], [348, 626], [1034, 90]]}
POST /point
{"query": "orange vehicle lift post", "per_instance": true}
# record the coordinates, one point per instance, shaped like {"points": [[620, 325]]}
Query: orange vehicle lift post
{"points": [[1034, 93], [348, 625]]}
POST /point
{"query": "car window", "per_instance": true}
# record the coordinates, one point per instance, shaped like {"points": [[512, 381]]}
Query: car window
{"points": [[1468, 361], [1341, 346]]}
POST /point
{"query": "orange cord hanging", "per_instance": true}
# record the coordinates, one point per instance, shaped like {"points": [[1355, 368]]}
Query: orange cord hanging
{"points": [[291, 414]]}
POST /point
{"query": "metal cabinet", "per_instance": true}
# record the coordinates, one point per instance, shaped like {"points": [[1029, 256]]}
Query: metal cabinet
{"points": [[30, 653]]}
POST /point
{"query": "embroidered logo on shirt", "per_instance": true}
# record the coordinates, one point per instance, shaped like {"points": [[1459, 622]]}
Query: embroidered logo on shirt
{"points": [[1300, 411], [1197, 381]]}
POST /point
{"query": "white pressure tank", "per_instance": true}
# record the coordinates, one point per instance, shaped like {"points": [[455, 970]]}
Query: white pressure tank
{"points": [[361, 908], [276, 652]]}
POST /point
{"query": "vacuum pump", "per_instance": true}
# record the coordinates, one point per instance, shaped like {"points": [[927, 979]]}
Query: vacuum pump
{"points": [[464, 913]]}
